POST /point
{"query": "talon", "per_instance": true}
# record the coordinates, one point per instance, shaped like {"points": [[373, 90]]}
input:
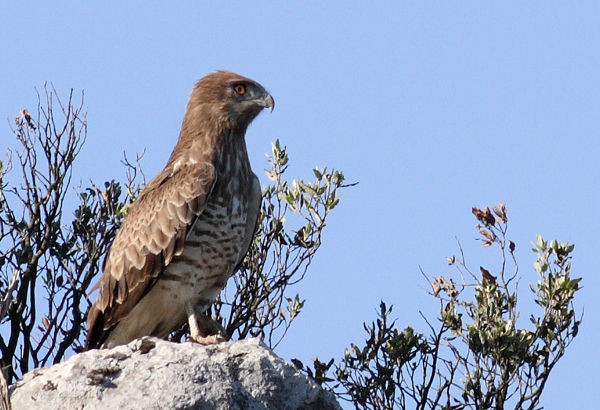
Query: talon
{"points": [[203, 329]]}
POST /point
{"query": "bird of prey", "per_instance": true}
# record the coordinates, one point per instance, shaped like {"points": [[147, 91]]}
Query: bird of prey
{"points": [[24, 117], [190, 227]]}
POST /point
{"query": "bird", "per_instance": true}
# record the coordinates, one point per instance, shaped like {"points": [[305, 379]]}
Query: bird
{"points": [[190, 228], [25, 117]]}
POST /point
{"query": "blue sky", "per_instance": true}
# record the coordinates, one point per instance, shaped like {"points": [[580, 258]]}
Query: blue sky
{"points": [[433, 107]]}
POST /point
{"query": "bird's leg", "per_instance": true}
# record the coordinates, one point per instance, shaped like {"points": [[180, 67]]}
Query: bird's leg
{"points": [[190, 310], [203, 329]]}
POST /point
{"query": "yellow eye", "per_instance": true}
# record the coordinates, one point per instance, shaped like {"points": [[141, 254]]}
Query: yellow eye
{"points": [[240, 89]]}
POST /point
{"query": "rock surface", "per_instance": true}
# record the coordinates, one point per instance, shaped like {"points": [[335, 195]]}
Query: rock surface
{"points": [[151, 373]]}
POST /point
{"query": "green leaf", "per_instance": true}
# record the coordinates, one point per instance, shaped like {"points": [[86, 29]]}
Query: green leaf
{"points": [[541, 244], [318, 174], [272, 175], [540, 267]]}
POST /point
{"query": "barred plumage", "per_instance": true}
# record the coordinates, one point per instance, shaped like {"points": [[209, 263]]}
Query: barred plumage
{"points": [[192, 224]]}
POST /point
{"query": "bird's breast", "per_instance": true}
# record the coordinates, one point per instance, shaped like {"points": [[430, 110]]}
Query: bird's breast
{"points": [[212, 249]]}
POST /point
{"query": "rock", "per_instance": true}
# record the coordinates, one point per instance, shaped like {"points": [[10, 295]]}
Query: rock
{"points": [[150, 373]]}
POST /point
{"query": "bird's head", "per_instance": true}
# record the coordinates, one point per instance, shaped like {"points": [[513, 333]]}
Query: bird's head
{"points": [[227, 96]]}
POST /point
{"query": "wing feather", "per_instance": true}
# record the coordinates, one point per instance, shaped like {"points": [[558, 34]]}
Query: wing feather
{"points": [[253, 213], [152, 234]]}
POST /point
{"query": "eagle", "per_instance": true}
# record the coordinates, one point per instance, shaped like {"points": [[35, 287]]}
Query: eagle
{"points": [[190, 228]]}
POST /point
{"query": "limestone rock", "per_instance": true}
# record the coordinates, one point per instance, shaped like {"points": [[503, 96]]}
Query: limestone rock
{"points": [[150, 373]]}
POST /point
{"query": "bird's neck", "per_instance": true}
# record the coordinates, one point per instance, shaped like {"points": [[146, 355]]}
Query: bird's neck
{"points": [[221, 143], [207, 128], [232, 156]]}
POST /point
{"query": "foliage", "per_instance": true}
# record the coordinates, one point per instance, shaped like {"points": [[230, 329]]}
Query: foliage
{"points": [[44, 269], [477, 356], [49, 259]]}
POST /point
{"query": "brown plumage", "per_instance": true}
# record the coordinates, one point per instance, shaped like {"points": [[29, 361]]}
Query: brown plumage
{"points": [[190, 227]]}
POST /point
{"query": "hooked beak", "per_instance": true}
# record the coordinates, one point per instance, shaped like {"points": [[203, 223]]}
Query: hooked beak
{"points": [[266, 101]]}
